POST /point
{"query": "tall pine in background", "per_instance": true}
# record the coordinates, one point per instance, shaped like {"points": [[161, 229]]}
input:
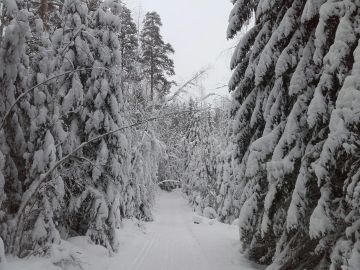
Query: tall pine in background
{"points": [[157, 66], [294, 124]]}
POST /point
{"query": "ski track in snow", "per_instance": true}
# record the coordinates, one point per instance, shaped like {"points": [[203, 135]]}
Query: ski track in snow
{"points": [[174, 242]]}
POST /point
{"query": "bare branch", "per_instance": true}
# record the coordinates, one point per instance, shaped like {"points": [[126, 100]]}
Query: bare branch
{"points": [[214, 94], [169, 181], [188, 83]]}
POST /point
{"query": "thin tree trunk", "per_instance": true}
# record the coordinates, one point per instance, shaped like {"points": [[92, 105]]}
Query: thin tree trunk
{"points": [[44, 13], [2, 20], [152, 76]]}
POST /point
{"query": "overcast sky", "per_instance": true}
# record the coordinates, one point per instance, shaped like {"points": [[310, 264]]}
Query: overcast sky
{"points": [[197, 31]]}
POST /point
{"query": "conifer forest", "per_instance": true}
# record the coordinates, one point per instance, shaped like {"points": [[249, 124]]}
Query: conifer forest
{"points": [[109, 162]]}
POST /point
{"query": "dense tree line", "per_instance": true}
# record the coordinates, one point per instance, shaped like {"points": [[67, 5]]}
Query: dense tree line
{"points": [[78, 79], [74, 158]]}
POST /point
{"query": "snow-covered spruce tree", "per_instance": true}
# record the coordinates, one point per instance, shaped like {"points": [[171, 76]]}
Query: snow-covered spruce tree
{"points": [[74, 59], [208, 178], [14, 81], [191, 185], [250, 99], [139, 193], [132, 84], [341, 152], [157, 65], [145, 152], [200, 168], [34, 229], [72, 43], [95, 201], [43, 148], [227, 186], [288, 71], [217, 201], [190, 141]]}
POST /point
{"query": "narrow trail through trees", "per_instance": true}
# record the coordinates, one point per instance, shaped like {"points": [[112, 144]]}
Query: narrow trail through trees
{"points": [[174, 242]]}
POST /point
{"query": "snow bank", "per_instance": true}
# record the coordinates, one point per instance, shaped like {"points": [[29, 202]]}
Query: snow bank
{"points": [[76, 253], [2, 255]]}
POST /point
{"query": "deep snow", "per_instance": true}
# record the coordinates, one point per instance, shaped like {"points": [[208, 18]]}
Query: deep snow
{"points": [[172, 242]]}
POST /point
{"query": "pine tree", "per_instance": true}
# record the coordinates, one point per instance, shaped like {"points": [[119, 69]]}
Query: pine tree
{"points": [[157, 65]]}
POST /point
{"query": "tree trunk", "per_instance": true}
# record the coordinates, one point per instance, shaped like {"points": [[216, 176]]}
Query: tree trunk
{"points": [[2, 20], [43, 11], [152, 77]]}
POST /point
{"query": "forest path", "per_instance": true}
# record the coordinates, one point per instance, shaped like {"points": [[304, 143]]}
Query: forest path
{"points": [[174, 242]]}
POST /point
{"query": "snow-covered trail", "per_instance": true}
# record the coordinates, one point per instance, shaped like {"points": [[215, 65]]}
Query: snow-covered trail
{"points": [[174, 242], [171, 242]]}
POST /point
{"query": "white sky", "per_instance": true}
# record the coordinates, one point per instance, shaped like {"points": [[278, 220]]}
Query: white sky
{"points": [[197, 31]]}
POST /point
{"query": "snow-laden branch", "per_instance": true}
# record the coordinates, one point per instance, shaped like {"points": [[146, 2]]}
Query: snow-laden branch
{"points": [[20, 97]]}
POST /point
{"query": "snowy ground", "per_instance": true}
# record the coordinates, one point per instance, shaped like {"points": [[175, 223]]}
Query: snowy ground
{"points": [[172, 242]]}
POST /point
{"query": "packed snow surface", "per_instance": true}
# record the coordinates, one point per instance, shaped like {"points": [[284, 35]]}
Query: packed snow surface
{"points": [[172, 242]]}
